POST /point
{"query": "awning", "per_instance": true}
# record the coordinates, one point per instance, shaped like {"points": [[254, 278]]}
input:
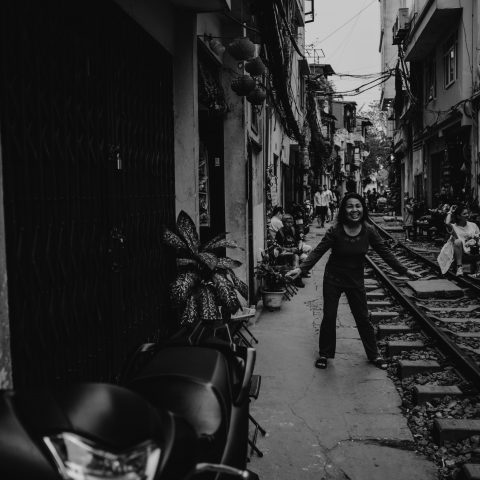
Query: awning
{"points": [[435, 20]]}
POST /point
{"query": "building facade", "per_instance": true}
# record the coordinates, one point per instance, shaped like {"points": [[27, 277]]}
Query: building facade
{"points": [[435, 104], [116, 116]]}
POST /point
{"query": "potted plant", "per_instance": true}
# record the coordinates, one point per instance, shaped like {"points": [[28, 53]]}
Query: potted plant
{"points": [[274, 284], [205, 279]]}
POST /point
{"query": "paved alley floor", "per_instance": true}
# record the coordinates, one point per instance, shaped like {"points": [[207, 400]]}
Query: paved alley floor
{"points": [[340, 423]]}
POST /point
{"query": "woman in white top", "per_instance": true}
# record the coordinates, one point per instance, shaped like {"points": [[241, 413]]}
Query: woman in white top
{"points": [[461, 229]]}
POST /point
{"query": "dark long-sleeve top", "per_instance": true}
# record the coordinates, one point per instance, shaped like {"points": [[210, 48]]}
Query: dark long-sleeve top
{"points": [[345, 267]]}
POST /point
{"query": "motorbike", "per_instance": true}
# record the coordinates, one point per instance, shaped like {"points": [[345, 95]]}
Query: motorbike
{"points": [[194, 424], [205, 381], [301, 219]]}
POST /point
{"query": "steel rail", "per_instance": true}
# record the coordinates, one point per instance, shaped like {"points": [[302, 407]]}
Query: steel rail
{"points": [[466, 366], [450, 275]]}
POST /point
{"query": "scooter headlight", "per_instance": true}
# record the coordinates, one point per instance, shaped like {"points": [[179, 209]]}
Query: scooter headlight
{"points": [[79, 459]]}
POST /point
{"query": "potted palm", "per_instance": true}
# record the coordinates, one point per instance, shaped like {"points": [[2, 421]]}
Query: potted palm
{"points": [[205, 287]]}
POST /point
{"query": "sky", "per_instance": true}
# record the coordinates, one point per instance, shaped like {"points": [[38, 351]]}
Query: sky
{"points": [[351, 48]]}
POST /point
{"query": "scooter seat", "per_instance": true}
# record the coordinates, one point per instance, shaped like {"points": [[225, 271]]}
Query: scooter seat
{"points": [[192, 382]]}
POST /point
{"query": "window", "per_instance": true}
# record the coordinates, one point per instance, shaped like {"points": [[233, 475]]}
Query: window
{"points": [[450, 70], [254, 118], [430, 80]]}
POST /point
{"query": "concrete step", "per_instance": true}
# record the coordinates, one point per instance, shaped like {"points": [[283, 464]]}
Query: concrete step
{"points": [[470, 471], [386, 330], [407, 368], [439, 288], [397, 346], [452, 430], [426, 393]]}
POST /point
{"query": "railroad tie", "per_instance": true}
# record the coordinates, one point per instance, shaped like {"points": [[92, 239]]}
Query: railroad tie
{"points": [[408, 368], [426, 393], [398, 346], [454, 430], [470, 471], [375, 317], [387, 330], [378, 303]]}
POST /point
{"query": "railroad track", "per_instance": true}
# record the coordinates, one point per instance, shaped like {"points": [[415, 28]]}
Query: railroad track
{"points": [[431, 331]]}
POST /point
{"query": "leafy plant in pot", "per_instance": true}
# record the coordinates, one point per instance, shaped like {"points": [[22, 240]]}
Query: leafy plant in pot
{"points": [[205, 279], [274, 284]]}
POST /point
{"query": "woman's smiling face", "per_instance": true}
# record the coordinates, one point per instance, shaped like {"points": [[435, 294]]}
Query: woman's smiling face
{"points": [[354, 210]]}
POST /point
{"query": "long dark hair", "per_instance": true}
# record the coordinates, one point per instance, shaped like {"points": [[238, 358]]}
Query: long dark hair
{"points": [[342, 213], [460, 208]]}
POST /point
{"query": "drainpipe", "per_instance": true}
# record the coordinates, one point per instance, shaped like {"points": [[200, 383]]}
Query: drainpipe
{"points": [[6, 380]]}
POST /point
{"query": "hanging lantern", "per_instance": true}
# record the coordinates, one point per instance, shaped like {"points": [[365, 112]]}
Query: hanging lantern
{"points": [[255, 66], [243, 84], [216, 46], [257, 95], [241, 48]]}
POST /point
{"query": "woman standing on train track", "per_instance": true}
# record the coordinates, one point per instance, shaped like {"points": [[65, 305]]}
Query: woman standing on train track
{"points": [[462, 230], [348, 240]]}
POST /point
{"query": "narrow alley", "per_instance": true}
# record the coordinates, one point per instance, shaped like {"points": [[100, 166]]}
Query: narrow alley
{"points": [[340, 423]]}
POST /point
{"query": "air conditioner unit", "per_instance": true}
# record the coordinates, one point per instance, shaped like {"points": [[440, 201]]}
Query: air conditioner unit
{"points": [[401, 26]]}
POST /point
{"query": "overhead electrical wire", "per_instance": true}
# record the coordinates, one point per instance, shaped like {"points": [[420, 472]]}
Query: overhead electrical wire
{"points": [[347, 22]]}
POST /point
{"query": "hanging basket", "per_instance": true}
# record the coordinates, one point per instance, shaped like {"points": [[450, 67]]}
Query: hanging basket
{"points": [[257, 95], [216, 46], [241, 48], [243, 85], [255, 66]]}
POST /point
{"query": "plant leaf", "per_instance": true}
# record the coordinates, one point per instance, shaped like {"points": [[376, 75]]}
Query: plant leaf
{"points": [[240, 285], [173, 240], [228, 263], [208, 259], [221, 244], [186, 262], [212, 241], [225, 293], [207, 307], [181, 288], [190, 312], [188, 231]]}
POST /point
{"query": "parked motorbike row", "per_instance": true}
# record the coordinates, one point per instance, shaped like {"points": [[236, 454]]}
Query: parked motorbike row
{"points": [[302, 216], [181, 412]]}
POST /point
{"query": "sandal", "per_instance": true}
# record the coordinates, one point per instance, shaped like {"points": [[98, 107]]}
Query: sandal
{"points": [[321, 362], [475, 276], [380, 362]]}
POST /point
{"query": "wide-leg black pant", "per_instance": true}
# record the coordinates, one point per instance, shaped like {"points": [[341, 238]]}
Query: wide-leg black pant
{"points": [[357, 299]]}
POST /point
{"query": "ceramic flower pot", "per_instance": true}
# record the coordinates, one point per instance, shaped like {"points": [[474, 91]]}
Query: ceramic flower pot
{"points": [[272, 300]]}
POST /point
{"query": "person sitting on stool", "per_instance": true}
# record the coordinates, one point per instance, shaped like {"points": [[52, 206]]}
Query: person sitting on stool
{"points": [[293, 249], [461, 229]]}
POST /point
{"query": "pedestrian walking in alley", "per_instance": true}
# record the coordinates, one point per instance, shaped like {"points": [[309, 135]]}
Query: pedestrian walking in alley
{"points": [[408, 219], [322, 202], [462, 231], [348, 239]]}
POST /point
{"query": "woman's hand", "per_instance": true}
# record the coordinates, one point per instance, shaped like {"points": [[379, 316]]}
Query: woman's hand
{"points": [[413, 274], [293, 274]]}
